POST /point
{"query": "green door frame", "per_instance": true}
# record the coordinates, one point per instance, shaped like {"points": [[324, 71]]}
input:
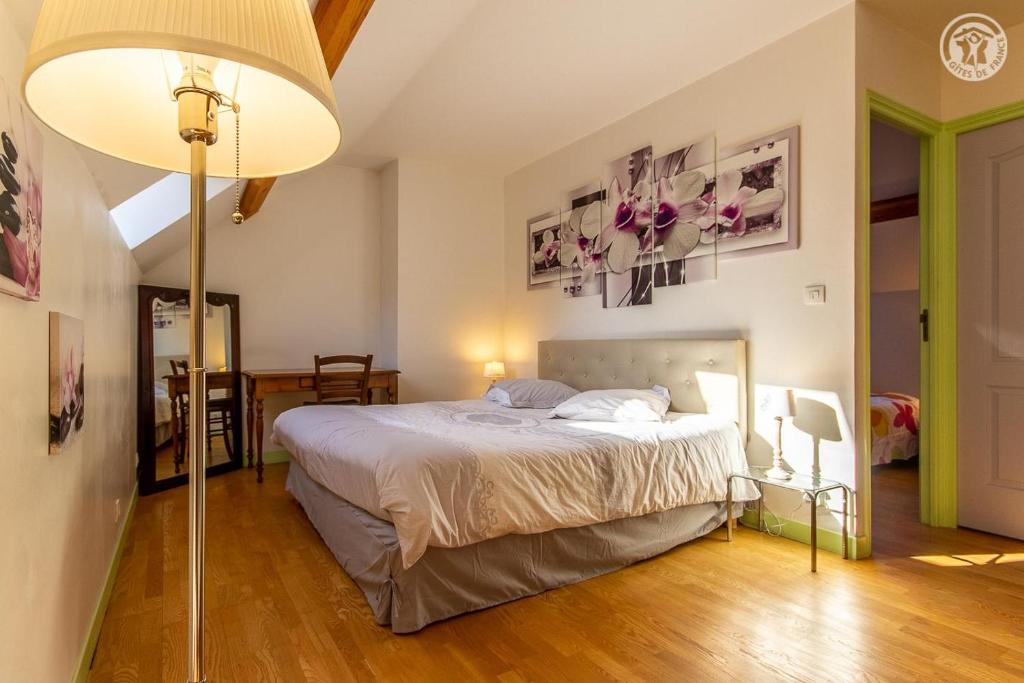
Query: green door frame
{"points": [[937, 203]]}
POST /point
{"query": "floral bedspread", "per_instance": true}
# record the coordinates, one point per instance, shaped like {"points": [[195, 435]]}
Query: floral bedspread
{"points": [[894, 422]]}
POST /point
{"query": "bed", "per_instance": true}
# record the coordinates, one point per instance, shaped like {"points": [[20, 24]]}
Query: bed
{"points": [[436, 509], [161, 413], [894, 425]]}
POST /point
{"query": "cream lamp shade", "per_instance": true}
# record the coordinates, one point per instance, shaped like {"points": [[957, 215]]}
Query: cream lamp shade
{"points": [[102, 73], [778, 403], [494, 369]]}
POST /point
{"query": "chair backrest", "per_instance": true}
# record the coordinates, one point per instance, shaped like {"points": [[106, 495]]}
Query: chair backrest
{"points": [[331, 386], [179, 367]]}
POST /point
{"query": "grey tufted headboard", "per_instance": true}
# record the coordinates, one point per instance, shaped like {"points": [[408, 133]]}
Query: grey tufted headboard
{"points": [[703, 375]]}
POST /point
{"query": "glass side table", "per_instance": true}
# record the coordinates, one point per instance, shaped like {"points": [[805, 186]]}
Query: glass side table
{"points": [[810, 485]]}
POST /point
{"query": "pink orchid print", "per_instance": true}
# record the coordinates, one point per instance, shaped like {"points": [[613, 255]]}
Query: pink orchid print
{"points": [[737, 203], [547, 254], [69, 381], [579, 243], [681, 208], [630, 214]]}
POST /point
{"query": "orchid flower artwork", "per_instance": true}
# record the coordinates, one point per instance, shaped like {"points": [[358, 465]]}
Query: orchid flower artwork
{"points": [[626, 235], [67, 386], [684, 212], [21, 204], [581, 253], [544, 249], [738, 203]]}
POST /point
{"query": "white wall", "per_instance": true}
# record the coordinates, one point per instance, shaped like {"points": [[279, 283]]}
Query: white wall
{"points": [[805, 79], [450, 291], [57, 513], [306, 269], [389, 265]]}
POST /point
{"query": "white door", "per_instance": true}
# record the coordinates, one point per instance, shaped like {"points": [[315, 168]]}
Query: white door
{"points": [[990, 355]]}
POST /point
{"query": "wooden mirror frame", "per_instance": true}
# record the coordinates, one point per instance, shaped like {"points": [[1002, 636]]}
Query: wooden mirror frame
{"points": [[146, 433]]}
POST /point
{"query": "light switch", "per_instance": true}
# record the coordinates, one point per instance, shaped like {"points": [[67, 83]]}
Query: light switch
{"points": [[814, 295]]}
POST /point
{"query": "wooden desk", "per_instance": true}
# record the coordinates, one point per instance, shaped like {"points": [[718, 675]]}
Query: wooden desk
{"points": [[177, 390], [259, 383]]}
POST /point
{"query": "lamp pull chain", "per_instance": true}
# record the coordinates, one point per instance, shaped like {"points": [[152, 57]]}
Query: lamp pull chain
{"points": [[237, 216]]}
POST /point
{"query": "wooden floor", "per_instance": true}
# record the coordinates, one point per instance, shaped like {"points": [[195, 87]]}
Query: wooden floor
{"points": [[218, 454], [932, 605]]}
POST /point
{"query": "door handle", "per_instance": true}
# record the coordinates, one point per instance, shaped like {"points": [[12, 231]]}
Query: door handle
{"points": [[923, 318]]}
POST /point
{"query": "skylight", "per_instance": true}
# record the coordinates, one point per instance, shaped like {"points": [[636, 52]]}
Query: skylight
{"points": [[159, 206]]}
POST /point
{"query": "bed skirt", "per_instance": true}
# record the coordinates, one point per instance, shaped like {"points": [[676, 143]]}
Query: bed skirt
{"points": [[450, 581]]}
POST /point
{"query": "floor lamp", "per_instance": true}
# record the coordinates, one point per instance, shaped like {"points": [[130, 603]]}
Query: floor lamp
{"points": [[135, 78]]}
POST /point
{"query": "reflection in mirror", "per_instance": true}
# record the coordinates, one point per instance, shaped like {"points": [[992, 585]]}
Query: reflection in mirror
{"points": [[171, 414]]}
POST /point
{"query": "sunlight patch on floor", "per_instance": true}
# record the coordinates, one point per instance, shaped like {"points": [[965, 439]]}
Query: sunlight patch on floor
{"points": [[973, 560]]}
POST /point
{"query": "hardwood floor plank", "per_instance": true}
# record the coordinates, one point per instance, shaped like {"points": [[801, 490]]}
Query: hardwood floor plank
{"points": [[933, 604]]}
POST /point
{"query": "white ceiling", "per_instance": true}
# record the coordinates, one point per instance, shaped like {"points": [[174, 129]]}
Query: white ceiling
{"points": [[497, 83], [521, 79]]}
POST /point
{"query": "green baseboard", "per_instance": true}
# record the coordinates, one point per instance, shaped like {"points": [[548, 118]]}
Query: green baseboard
{"points": [[275, 457], [828, 540], [85, 661]]}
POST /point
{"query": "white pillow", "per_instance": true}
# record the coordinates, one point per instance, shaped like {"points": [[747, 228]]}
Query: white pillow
{"points": [[616, 405], [529, 393]]}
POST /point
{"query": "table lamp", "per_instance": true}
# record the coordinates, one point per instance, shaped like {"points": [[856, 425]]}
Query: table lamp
{"points": [[137, 78], [779, 405], [494, 370]]}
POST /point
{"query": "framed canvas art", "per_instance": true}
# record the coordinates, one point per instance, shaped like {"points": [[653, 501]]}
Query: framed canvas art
{"points": [[757, 191], [580, 251], [627, 235], [684, 216], [543, 245], [21, 199], [67, 381]]}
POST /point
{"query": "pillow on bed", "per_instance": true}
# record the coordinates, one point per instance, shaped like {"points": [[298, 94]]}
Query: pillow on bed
{"points": [[529, 393], [616, 405]]}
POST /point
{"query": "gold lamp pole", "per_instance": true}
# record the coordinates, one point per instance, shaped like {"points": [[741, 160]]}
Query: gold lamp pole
{"points": [[118, 76]]}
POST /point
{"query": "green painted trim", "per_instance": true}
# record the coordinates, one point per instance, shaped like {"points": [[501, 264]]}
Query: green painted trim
{"points": [[938, 216], [85, 660], [936, 196], [984, 119], [828, 540], [940, 437], [275, 457]]}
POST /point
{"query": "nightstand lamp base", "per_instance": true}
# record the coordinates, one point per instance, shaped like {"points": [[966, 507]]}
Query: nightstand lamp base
{"points": [[777, 472]]}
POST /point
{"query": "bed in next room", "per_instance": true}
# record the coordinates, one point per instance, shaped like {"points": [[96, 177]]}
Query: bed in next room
{"points": [[894, 427], [436, 509]]}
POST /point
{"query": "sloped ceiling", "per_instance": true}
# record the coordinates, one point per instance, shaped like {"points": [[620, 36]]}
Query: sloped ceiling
{"points": [[498, 84]]}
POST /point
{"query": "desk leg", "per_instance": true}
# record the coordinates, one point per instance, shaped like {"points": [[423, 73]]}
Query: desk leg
{"points": [[814, 533], [393, 389], [248, 423], [846, 510], [259, 440], [728, 509]]}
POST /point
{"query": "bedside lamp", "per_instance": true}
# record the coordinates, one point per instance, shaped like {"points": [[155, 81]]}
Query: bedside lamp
{"points": [[494, 370], [780, 406], [148, 82]]}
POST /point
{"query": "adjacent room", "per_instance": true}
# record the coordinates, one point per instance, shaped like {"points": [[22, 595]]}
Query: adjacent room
{"points": [[898, 326], [394, 340]]}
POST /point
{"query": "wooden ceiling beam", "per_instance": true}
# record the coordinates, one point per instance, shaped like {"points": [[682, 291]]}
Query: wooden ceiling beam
{"points": [[337, 22], [904, 206]]}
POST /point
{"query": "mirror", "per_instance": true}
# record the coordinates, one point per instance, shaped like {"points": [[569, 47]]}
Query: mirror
{"points": [[164, 401]]}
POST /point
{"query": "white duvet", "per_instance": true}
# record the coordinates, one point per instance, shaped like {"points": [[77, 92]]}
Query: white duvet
{"points": [[454, 473]]}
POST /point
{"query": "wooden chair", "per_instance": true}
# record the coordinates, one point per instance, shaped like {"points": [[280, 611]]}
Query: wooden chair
{"points": [[218, 419], [331, 389]]}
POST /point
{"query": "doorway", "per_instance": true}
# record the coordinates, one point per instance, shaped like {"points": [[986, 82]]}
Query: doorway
{"points": [[896, 328]]}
